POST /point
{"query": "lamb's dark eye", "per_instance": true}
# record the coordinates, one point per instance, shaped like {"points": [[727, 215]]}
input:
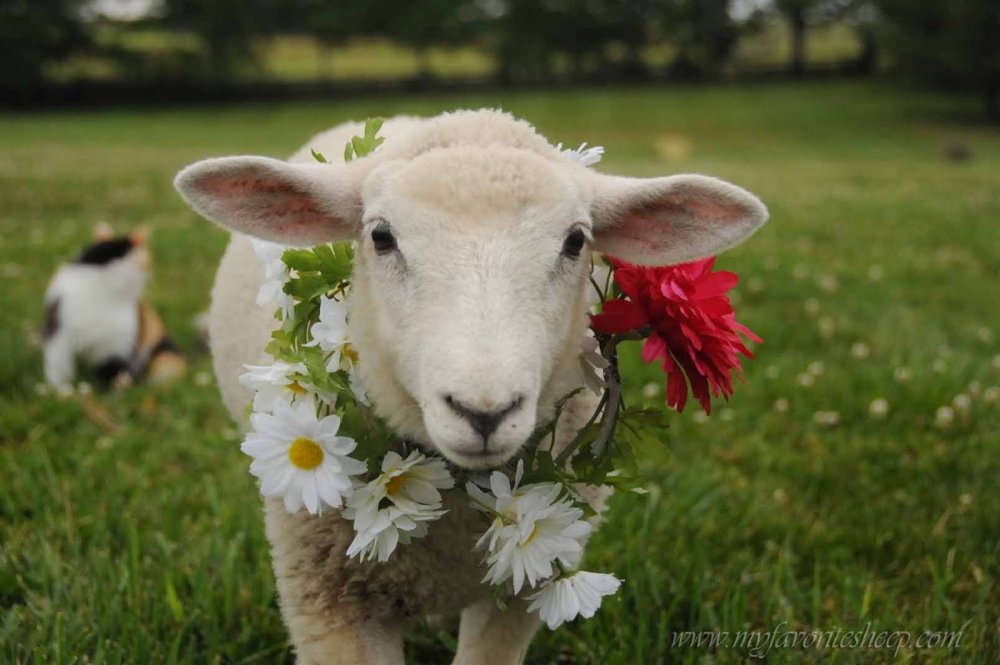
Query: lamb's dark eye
{"points": [[383, 239], [573, 244]]}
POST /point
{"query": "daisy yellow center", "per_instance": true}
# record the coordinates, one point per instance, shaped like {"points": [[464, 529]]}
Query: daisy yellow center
{"points": [[395, 484], [305, 453], [350, 352], [296, 388]]}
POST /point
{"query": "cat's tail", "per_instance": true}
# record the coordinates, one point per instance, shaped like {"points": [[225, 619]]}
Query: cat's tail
{"points": [[156, 356]]}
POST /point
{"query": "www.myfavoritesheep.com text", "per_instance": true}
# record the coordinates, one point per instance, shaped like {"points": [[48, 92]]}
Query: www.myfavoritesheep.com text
{"points": [[758, 643]]}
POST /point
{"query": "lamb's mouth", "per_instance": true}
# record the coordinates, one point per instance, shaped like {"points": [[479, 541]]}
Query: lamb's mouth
{"points": [[479, 460]]}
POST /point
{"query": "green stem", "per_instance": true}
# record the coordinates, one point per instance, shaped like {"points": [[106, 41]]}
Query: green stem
{"points": [[611, 401], [574, 444], [600, 292]]}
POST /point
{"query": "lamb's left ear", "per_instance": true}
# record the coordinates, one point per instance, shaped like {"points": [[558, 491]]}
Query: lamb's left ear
{"points": [[285, 202], [663, 221]]}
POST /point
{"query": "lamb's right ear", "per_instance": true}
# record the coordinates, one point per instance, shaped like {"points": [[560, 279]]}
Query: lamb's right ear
{"points": [[288, 203]]}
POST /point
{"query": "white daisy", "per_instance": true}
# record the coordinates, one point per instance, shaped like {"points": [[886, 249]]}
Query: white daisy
{"points": [[330, 333], [274, 383], [276, 273], [396, 506], [300, 458], [578, 594], [532, 529], [583, 154], [592, 364]]}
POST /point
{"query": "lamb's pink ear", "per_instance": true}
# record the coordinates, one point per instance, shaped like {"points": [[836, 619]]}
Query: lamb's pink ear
{"points": [[663, 221], [288, 203]]}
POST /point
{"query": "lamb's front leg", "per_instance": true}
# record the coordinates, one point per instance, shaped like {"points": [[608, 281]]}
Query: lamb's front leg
{"points": [[308, 555], [488, 634]]}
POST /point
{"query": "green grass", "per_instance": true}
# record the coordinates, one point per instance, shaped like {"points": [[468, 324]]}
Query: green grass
{"points": [[130, 530]]}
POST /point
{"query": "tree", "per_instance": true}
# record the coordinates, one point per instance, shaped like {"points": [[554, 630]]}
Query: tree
{"points": [[632, 24], [951, 43], [862, 16], [796, 13], [530, 36], [331, 23], [36, 33], [704, 33], [226, 29], [522, 39], [422, 25]]}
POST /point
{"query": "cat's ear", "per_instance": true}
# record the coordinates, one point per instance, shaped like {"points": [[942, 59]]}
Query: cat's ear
{"points": [[103, 231], [140, 235]]}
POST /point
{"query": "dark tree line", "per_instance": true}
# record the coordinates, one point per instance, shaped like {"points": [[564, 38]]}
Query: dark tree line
{"points": [[949, 42]]}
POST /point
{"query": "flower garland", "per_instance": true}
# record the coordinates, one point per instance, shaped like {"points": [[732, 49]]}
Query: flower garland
{"points": [[316, 444]]}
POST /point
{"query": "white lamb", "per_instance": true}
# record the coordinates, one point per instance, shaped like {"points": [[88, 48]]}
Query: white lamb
{"points": [[468, 309]]}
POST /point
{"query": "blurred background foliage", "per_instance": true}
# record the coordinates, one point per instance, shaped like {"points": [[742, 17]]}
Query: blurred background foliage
{"points": [[48, 45]]}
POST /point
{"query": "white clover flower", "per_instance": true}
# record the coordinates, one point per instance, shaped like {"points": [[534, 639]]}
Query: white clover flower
{"points": [[879, 408], [860, 350], [531, 530], [274, 383], [276, 273], [827, 418], [962, 403], [300, 458], [396, 506], [592, 364], [828, 283], [578, 594], [944, 417], [583, 154]]}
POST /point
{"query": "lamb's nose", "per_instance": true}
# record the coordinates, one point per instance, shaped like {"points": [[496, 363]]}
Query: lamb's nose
{"points": [[483, 422]]}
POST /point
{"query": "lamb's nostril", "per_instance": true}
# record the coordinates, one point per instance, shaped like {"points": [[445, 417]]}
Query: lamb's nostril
{"points": [[483, 422]]}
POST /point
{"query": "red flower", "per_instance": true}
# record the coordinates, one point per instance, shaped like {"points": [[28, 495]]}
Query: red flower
{"points": [[694, 328]]}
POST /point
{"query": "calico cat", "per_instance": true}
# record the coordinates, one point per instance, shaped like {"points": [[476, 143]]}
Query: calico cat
{"points": [[94, 315]]}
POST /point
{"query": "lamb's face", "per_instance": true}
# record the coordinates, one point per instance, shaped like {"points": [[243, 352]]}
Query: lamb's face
{"points": [[471, 267], [468, 301]]}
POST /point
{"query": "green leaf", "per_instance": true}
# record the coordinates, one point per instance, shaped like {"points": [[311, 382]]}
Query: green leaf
{"points": [[372, 127], [358, 144], [301, 259], [336, 263], [318, 156], [306, 287]]}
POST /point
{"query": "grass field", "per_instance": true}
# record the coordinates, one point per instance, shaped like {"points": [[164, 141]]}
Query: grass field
{"points": [[130, 530]]}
